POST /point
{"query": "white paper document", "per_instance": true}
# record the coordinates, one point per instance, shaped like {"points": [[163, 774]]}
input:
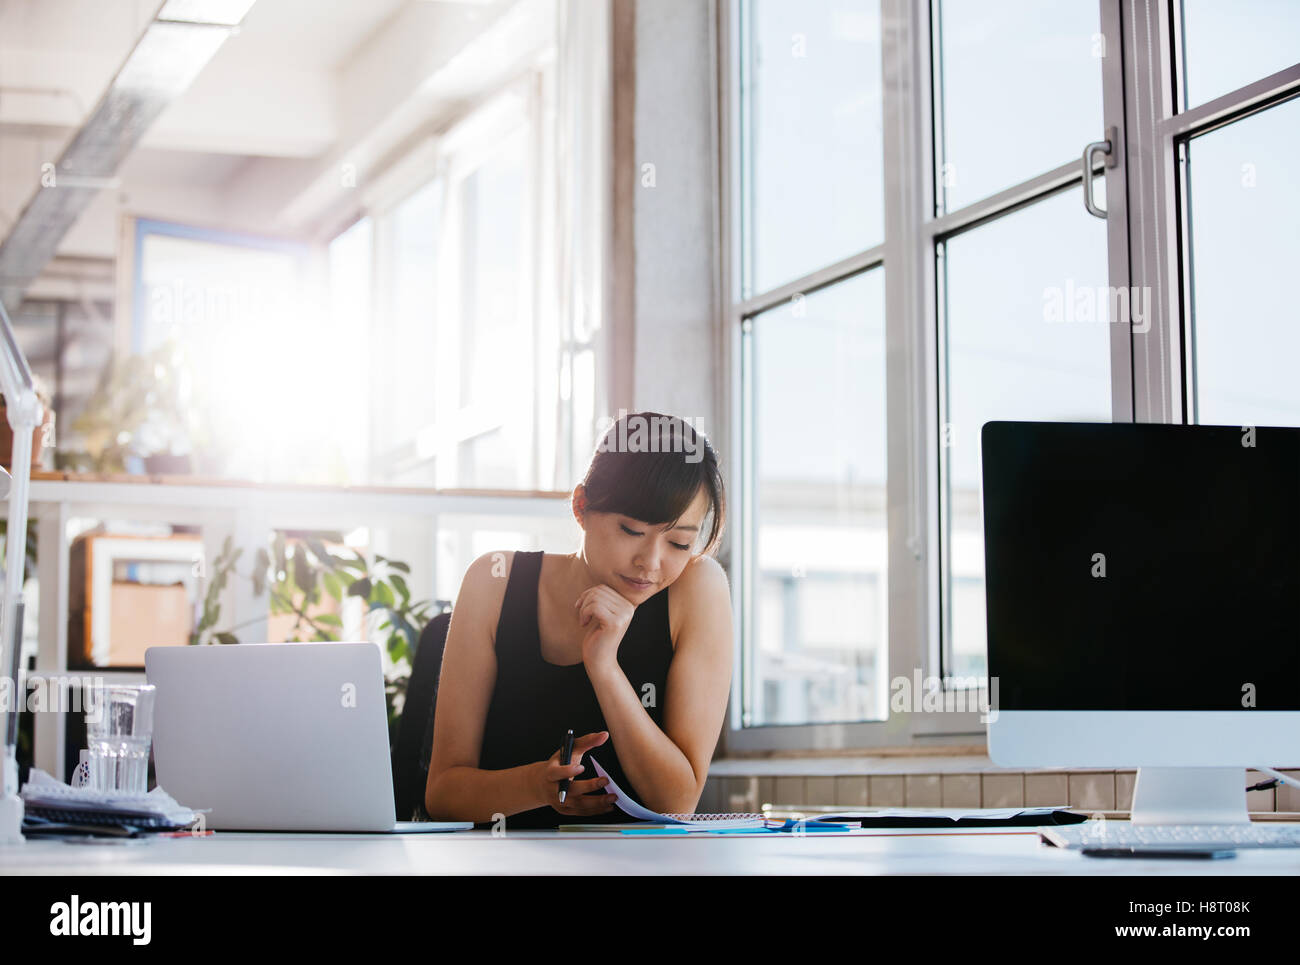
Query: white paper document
{"points": [[625, 803]]}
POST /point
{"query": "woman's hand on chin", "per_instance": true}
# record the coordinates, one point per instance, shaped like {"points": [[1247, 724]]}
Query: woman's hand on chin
{"points": [[605, 614]]}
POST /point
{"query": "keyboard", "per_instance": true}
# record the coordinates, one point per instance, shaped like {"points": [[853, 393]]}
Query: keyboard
{"points": [[1172, 837]]}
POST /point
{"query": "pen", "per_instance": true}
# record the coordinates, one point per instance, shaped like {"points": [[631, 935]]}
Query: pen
{"points": [[564, 759]]}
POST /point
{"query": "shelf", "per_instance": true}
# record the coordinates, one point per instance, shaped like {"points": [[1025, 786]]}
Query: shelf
{"points": [[246, 514]]}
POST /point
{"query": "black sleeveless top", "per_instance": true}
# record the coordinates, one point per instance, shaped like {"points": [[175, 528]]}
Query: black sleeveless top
{"points": [[534, 702]]}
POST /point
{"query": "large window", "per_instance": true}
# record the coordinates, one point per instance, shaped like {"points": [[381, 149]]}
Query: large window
{"points": [[817, 397], [472, 383], [476, 272], [904, 182], [496, 381], [1227, 46], [455, 401], [1243, 206], [1017, 344], [1017, 87], [811, 111], [810, 300], [408, 287], [232, 329]]}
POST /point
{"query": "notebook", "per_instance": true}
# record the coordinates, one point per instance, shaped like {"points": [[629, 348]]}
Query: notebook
{"points": [[954, 817], [643, 815], [48, 801]]}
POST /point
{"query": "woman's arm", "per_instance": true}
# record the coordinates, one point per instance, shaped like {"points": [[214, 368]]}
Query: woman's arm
{"points": [[669, 767], [457, 789]]}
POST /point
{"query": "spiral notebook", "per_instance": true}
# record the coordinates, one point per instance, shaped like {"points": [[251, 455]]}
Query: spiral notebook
{"points": [[643, 815]]}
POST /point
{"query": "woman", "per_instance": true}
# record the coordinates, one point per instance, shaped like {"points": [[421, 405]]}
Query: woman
{"points": [[593, 641]]}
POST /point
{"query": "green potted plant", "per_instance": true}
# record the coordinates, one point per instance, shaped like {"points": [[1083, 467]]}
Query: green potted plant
{"points": [[299, 574]]}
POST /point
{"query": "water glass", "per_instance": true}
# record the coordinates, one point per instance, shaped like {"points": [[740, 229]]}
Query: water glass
{"points": [[119, 727]]}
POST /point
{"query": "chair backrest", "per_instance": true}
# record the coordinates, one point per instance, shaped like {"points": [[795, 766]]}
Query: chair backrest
{"points": [[415, 728]]}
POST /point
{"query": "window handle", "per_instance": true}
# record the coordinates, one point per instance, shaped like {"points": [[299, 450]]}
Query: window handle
{"points": [[1105, 147]]}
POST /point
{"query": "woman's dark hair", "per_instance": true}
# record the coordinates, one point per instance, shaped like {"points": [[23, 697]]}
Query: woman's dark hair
{"points": [[650, 466]]}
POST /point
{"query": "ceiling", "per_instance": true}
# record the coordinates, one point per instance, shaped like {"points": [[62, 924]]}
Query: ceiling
{"points": [[297, 85]]}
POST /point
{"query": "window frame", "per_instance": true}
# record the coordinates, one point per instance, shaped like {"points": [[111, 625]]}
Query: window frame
{"points": [[913, 338], [1161, 127], [478, 141], [447, 159]]}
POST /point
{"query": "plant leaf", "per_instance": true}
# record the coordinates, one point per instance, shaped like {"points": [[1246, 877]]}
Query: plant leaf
{"points": [[333, 585], [356, 563], [381, 594], [261, 565], [318, 549], [304, 574]]}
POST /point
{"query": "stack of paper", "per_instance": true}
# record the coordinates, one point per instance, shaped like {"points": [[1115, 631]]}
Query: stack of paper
{"points": [[46, 797]]}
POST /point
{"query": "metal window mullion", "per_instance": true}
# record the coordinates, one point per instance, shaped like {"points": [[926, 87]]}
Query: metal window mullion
{"points": [[1117, 206], [1183, 181], [821, 278], [1231, 106], [910, 190], [728, 267], [1177, 64], [933, 85], [732, 270], [740, 49], [1006, 201], [942, 650], [749, 520], [1153, 241]]}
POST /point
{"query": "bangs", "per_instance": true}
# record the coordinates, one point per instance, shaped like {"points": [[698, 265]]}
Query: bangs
{"points": [[653, 487], [655, 479]]}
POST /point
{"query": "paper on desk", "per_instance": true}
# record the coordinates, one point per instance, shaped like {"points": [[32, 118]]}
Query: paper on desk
{"points": [[44, 790], [630, 807]]}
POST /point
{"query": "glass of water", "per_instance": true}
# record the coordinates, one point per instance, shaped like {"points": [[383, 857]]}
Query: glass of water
{"points": [[119, 726]]}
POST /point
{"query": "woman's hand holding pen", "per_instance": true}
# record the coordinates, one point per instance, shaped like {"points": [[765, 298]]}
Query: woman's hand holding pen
{"points": [[578, 800]]}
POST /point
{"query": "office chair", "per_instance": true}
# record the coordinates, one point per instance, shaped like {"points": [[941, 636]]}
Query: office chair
{"points": [[415, 729]]}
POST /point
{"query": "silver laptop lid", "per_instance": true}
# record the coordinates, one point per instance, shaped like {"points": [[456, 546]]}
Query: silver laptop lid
{"points": [[290, 736]]}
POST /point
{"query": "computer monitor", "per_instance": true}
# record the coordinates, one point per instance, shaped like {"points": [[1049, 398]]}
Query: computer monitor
{"points": [[1143, 605]]}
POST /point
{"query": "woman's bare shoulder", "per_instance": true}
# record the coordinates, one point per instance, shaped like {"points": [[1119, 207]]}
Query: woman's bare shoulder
{"points": [[483, 589], [703, 580], [492, 566], [702, 588]]}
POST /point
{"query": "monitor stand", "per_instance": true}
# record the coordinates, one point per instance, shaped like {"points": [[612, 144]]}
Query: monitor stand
{"points": [[1190, 795]]}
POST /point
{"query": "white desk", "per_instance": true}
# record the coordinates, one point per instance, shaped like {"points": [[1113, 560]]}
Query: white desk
{"points": [[876, 852]]}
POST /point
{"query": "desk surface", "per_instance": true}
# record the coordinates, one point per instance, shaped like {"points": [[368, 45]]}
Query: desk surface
{"points": [[870, 852]]}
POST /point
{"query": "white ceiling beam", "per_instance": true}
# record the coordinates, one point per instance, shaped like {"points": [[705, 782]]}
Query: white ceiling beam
{"points": [[165, 60], [407, 79]]}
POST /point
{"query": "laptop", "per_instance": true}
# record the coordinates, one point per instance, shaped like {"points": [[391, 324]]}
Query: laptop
{"points": [[277, 737]]}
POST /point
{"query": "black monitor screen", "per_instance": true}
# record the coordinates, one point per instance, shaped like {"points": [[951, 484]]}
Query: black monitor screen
{"points": [[1142, 567]]}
